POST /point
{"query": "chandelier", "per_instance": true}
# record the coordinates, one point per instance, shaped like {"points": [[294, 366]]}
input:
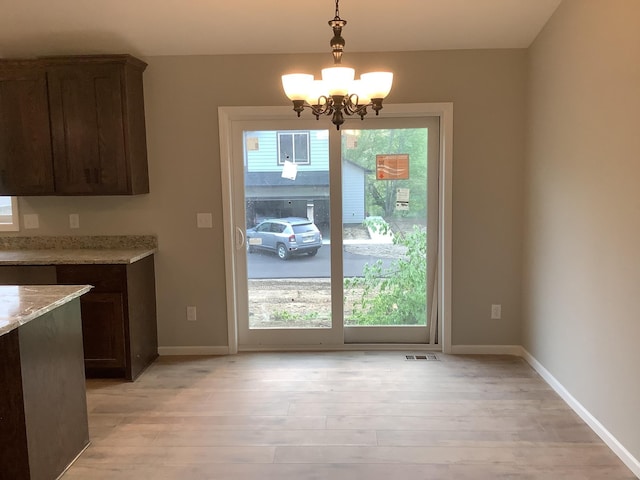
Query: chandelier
{"points": [[338, 93]]}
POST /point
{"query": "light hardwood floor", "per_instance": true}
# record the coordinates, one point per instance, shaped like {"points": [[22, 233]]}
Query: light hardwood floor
{"points": [[338, 416]]}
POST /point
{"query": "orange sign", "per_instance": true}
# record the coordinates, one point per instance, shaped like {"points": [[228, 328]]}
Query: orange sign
{"points": [[392, 167]]}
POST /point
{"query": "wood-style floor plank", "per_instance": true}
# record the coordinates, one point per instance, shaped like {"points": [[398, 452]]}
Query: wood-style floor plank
{"points": [[338, 416]]}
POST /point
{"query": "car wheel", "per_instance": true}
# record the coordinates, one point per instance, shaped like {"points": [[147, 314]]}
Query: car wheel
{"points": [[312, 253], [283, 253], [251, 249]]}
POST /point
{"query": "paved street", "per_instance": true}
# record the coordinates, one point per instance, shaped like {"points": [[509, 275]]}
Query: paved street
{"points": [[268, 265]]}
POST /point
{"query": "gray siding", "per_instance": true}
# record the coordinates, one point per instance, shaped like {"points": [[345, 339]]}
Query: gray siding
{"points": [[352, 193]]}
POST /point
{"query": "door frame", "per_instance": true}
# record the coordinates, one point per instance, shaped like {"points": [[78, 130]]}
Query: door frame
{"points": [[228, 115]]}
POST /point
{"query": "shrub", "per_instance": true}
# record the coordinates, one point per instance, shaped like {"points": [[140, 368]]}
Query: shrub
{"points": [[395, 295]]}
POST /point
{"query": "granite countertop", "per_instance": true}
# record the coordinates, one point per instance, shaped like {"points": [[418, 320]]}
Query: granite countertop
{"points": [[68, 250], [73, 256], [19, 305]]}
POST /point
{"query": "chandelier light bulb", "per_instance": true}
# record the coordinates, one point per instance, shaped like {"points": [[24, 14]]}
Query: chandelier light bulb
{"points": [[338, 80], [379, 83], [296, 85], [316, 90], [362, 90]]}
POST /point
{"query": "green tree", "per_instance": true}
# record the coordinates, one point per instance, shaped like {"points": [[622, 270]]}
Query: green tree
{"points": [[393, 296], [362, 149]]}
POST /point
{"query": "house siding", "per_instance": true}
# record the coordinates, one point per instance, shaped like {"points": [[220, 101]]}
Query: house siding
{"points": [[352, 193], [265, 158]]}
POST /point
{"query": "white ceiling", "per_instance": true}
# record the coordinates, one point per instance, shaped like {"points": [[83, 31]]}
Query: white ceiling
{"points": [[187, 27]]}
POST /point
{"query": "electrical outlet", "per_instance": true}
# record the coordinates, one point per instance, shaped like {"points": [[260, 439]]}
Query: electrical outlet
{"points": [[74, 220], [496, 312], [191, 314]]}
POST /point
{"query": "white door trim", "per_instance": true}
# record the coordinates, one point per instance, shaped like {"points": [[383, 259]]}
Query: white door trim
{"points": [[228, 115]]}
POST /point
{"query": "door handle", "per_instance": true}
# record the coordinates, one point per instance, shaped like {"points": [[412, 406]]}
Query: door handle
{"points": [[239, 238]]}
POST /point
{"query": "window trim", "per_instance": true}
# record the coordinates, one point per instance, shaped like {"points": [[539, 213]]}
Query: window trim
{"points": [[306, 133], [11, 223]]}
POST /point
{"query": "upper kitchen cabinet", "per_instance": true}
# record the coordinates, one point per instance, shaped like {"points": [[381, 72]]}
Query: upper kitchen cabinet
{"points": [[26, 162], [94, 112], [96, 107]]}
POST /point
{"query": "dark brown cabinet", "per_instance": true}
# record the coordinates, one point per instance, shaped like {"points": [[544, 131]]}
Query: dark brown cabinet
{"points": [[103, 331], [96, 108], [86, 114], [118, 316], [43, 404], [26, 161]]}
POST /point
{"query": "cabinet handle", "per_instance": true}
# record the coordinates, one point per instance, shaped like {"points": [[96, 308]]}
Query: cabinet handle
{"points": [[87, 175]]}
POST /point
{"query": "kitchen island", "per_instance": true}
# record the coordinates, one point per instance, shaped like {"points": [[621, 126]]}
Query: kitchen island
{"points": [[43, 408]]}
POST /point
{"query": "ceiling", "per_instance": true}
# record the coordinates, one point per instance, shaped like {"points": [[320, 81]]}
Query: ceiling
{"points": [[193, 27]]}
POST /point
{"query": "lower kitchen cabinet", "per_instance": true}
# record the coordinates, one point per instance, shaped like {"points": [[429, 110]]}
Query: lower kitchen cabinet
{"points": [[103, 332], [118, 316]]}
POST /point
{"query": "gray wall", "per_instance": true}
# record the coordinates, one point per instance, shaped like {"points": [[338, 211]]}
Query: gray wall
{"points": [[182, 97], [582, 266]]}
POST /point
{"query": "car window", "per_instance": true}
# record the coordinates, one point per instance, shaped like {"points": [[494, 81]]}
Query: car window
{"points": [[264, 227], [304, 228]]}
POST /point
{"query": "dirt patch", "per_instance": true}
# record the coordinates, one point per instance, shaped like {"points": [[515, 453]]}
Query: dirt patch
{"points": [[290, 303], [294, 303]]}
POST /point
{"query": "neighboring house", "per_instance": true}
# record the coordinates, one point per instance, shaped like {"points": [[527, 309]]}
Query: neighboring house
{"points": [[306, 193]]}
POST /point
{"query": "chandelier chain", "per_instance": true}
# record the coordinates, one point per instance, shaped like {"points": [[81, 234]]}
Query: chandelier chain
{"points": [[337, 17]]}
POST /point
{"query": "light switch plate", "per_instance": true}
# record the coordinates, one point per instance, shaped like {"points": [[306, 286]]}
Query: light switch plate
{"points": [[192, 314], [205, 220], [74, 220], [31, 220], [496, 312]]}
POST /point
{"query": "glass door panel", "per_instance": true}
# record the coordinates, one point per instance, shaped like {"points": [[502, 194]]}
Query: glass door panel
{"points": [[287, 212], [287, 250], [386, 217]]}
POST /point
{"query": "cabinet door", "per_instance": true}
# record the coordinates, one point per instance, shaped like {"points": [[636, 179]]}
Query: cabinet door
{"points": [[87, 125], [26, 165], [103, 333]]}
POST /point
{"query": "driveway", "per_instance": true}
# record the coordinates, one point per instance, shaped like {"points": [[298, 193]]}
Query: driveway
{"points": [[266, 265]]}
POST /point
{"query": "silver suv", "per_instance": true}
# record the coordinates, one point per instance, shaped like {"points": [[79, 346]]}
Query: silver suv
{"points": [[285, 236]]}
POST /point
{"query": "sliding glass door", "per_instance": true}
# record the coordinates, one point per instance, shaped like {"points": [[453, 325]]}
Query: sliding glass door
{"points": [[335, 232]]}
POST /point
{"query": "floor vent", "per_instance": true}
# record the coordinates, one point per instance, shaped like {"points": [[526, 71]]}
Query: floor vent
{"points": [[426, 356]]}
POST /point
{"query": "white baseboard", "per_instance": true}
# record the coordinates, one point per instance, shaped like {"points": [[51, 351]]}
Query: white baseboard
{"points": [[612, 442], [487, 350], [171, 351], [347, 347]]}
